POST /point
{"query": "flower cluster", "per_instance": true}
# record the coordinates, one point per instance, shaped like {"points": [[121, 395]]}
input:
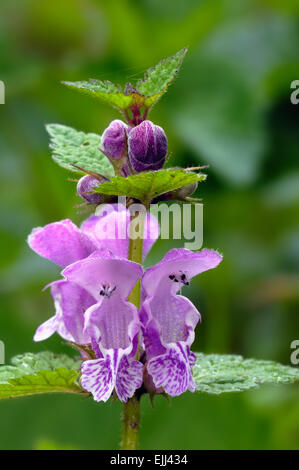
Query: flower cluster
{"points": [[123, 347], [131, 150]]}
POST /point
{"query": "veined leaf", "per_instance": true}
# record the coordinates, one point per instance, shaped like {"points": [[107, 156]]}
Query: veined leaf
{"points": [[105, 91], [148, 185], [215, 373], [158, 78], [33, 374], [146, 93], [72, 147]]}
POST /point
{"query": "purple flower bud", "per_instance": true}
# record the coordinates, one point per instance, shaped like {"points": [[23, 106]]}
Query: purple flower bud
{"points": [[147, 144], [114, 139], [85, 185]]}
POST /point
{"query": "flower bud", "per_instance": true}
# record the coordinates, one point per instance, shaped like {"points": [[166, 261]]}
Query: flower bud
{"points": [[186, 191], [114, 139], [176, 195], [85, 186], [147, 145]]}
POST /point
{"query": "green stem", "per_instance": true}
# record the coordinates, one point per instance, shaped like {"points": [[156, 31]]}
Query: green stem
{"points": [[131, 424], [131, 409]]}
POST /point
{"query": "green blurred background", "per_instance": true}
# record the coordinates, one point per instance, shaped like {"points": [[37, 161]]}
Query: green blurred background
{"points": [[229, 108]]}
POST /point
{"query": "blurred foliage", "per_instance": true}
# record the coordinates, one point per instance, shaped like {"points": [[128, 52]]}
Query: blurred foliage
{"points": [[229, 108]]}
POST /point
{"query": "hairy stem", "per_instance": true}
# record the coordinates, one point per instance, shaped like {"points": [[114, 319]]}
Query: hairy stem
{"points": [[131, 409]]}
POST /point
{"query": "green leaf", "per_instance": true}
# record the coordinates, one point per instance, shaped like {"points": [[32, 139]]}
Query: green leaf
{"points": [[72, 147], [158, 78], [105, 91], [33, 374], [146, 93], [148, 185], [217, 374]]}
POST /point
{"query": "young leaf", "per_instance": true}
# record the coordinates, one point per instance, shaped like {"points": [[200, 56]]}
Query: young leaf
{"points": [[105, 91], [158, 78], [138, 99], [33, 374], [217, 374], [72, 147], [148, 185]]}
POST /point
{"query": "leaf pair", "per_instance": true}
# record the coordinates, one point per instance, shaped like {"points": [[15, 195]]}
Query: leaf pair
{"points": [[45, 372], [138, 98]]}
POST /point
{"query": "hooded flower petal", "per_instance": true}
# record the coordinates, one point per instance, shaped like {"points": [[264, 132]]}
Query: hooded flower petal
{"points": [[103, 269], [110, 231], [169, 319], [61, 242], [70, 302], [112, 323], [178, 262]]}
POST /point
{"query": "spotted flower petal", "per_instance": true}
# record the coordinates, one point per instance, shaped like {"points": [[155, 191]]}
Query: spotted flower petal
{"points": [[114, 370]]}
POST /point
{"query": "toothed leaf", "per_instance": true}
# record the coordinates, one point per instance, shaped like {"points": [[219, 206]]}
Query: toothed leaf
{"points": [[148, 185], [215, 373], [104, 91], [33, 374], [72, 147], [158, 78]]}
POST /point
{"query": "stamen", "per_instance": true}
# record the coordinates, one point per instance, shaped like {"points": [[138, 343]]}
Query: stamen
{"points": [[107, 291], [181, 278]]}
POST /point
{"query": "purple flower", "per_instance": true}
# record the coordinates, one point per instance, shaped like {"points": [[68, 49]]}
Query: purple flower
{"points": [[64, 243], [112, 323], [85, 185], [169, 319], [92, 306], [147, 144], [110, 231], [114, 139]]}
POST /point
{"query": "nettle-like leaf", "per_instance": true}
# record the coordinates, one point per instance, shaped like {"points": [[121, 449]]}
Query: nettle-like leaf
{"points": [[158, 78], [72, 147], [214, 373], [103, 90], [146, 186], [34, 374], [136, 99]]}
